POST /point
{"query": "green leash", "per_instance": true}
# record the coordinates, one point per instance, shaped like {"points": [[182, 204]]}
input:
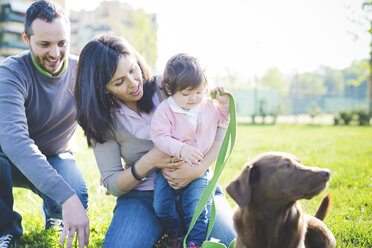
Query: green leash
{"points": [[211, 187]]}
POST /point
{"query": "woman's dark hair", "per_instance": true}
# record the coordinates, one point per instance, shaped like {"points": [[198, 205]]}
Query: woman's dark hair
{"points": [[181, 72], [98, 62], [44, 10]]}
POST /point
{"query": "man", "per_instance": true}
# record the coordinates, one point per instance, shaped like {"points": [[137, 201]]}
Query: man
{"points": [[37, 122]]}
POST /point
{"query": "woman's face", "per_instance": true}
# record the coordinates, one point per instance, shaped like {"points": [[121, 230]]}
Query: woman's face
{"points": [[126, 84]]}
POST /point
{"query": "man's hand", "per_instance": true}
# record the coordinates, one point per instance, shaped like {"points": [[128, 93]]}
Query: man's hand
{"points": [[75, 220]]}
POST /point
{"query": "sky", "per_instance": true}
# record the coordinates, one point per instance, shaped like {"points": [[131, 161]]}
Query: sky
{"points": [[247, 37]]}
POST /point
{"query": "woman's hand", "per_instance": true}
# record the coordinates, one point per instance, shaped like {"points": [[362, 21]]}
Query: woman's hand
{"points": [[161, 160], [183, 175], [186, 173], [101, 184], [152, 159]]}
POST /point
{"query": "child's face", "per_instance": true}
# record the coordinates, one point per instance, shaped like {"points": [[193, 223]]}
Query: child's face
{"points": [[189, 98]]}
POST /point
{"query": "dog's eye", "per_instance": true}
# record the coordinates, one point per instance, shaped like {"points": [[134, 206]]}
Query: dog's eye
{"points": [[286, 165]]}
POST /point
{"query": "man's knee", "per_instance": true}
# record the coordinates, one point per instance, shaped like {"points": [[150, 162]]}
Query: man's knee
{"points": [[5, 170], [65, 164], [77, 182], [83, 196]]}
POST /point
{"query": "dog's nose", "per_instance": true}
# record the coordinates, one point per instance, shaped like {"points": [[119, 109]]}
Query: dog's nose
{"points": [[325, 174]]}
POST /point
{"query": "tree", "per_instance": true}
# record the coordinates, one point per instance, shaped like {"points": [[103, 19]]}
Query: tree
{"points": [[274, 78], [356, 78], [367, 6], [314, 110], [307, 84], [229, 79], [360, 70], [142, 34], [333, 80], [262, 109]]}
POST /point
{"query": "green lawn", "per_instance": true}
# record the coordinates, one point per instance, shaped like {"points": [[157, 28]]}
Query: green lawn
{"points": [[346, 151]]}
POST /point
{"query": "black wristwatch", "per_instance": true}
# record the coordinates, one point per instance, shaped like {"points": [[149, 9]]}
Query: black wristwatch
{"points": [[135, 175]]}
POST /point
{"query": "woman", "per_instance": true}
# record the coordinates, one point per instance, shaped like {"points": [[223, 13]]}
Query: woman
{"points": [[116, 96]]}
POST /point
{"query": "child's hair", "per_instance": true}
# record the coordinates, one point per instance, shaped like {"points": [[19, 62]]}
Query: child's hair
{"points": [[181, 72]]}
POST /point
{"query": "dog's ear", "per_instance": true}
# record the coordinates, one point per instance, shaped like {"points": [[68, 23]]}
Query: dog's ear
{"points": [[239, 189]]}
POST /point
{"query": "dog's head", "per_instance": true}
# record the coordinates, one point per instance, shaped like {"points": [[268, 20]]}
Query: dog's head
{"points": [[277, 176]]}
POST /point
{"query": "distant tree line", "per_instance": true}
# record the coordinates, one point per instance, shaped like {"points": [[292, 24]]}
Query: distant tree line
{"points": [[325, 81], [342, 93], [367, 6]]}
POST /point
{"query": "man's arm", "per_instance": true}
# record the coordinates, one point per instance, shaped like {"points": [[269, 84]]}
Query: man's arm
{"points": [[18, 146], [25, 154]]}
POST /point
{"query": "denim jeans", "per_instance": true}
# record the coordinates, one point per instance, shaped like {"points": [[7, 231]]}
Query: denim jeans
{"points": [[135, 224], [175, 208], [10, 176]]}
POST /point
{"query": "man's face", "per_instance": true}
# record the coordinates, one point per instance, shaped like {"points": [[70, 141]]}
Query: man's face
{"points": [[49, 44]]}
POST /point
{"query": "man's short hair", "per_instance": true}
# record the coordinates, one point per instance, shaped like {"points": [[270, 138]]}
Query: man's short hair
{"points": [[44, 10]]}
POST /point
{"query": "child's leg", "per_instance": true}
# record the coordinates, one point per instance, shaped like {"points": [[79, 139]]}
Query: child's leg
{"points": [[190, 199], [165, 206]]}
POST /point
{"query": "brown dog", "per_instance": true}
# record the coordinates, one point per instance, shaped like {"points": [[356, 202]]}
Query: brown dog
{"points": [[269, 215]]}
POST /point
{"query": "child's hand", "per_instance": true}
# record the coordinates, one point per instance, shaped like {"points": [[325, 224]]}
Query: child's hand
{"points": [[221, 96], [191, 154]]}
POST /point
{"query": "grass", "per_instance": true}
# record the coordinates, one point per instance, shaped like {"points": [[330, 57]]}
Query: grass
{"points": [[345, 150]]}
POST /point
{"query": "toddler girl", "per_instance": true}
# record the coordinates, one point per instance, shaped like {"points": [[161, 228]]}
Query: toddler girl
{"points": [[184, 126]]}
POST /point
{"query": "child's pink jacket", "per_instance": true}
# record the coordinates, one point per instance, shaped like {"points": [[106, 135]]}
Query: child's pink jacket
{"points": [[170, 129]]}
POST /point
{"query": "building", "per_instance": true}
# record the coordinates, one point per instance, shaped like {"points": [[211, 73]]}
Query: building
{"points": [[11, 26], [12, 14], [110, 16]]}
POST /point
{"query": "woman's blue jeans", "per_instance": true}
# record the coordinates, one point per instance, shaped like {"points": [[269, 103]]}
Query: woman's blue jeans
{"points": [[135, 224], [10, 176]]}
